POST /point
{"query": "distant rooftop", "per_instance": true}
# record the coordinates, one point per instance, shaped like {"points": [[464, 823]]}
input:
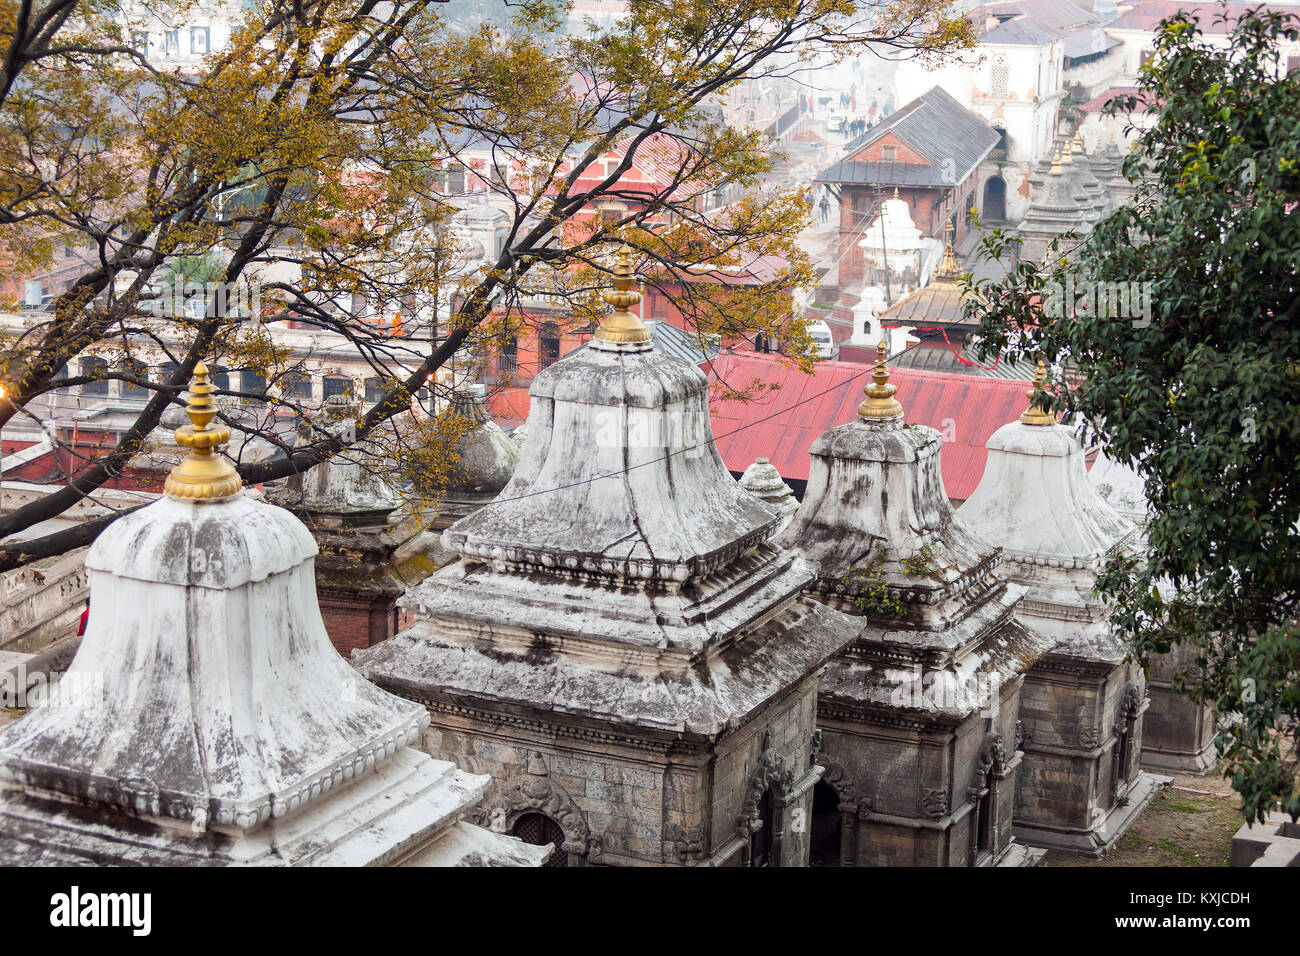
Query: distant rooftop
{"points": [[934, 125]]}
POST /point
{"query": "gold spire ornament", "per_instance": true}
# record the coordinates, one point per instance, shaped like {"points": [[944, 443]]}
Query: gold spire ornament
{"points": [[1036, 414], [880, 404], [948, 268], [622, 326], [203, 474], [1056, 162]]}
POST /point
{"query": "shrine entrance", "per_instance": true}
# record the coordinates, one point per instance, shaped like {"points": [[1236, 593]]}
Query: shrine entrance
{"points": [[761, 840], [827, 826], [540, 830]]}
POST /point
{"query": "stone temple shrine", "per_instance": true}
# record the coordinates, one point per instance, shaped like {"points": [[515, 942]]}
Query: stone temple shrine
{"points": [[1083, 703], [620, 643], [918, 717], [207, 720]]}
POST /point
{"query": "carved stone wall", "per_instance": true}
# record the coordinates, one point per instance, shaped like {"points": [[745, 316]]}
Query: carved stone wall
{"points": [[1178, 733], [911, 782], [636, 797], [1073, 794]]}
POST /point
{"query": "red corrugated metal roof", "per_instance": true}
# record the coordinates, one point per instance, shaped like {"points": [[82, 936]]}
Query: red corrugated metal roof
{"points": [[781, 425]]}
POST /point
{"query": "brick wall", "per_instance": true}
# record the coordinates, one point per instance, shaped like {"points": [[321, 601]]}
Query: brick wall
{"points": [[354, 621]]}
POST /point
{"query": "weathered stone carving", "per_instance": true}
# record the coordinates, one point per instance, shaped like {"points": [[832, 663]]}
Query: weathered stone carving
{"points": [[533, 791], [933, 803], [772, 773]]}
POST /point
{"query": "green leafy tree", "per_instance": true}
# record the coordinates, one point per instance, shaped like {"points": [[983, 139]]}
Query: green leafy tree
{"points": [[313, 156], [1202, 395]]}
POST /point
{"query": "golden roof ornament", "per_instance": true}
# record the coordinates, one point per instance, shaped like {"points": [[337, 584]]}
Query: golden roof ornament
{"points": [[1036, 414], [1056, 162], [880, 404], [622, 326], [948, 268], [203, 474], [1076, 145]]}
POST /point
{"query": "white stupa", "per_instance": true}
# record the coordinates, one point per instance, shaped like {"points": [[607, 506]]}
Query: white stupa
{"points": [[228, 730], [1084, 701], [866, 317], [764, 482], [893, 243]]}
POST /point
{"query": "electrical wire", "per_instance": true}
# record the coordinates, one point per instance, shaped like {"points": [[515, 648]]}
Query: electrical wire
{"points": [[867, 370]]}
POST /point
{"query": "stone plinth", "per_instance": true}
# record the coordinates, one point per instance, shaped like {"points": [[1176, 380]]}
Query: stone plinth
{"points": [[1274, 841]]}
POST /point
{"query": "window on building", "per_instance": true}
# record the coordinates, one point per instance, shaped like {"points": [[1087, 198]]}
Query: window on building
{"points": [[1146, 55], [253, 384], [374, 390], [296, 386], [172, 42], [338, 385], [165, 371], [140, 42], [452, 180], [199, 39], [32, 294], [1292, 64], [889, 153], [221, 378], [96, 368], [548, 351], [508, 360], [1000, 83], [136, 369]]}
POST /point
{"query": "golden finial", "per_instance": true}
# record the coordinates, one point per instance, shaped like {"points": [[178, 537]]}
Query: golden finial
{"points": [[948, 268], [623, 326], [895, 192], [1067, 154], [1056, 162], [203, 474], [1035, 414], [1076, 144], [880, 404]]}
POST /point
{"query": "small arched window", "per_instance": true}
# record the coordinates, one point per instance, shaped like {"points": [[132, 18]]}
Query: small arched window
{"points": [[539, 830]]}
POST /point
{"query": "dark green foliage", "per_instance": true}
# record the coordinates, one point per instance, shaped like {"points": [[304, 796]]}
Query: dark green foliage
{"points": [[1205, 395]]}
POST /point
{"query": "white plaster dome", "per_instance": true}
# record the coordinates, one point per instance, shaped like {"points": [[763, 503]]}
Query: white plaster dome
{"points": [[1036, 501], [251, 720], [621, 476]]}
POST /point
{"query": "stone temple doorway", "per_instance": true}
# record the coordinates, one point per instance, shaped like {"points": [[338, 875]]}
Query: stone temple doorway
{"points": [[827, 826], [539, 830], [761, 841], [995, 199]]}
